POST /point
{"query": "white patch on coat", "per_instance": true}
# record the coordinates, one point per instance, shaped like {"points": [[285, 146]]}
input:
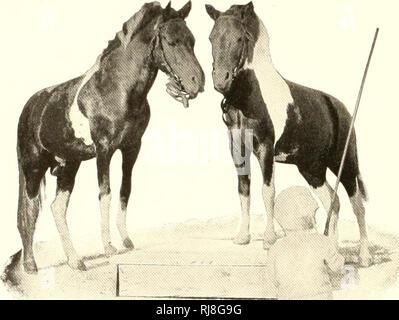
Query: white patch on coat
{"points": [[80, 124], [59, 208], [245, 218], [105, 203], [121, 222], [275, 91]]}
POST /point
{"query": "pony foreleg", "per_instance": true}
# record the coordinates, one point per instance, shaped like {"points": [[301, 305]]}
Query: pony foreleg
{"points": [[28, 212], [129, 159], [269, 194], [265, 154], [243, 167], [103, 163], [29, 206], [243, 236]]}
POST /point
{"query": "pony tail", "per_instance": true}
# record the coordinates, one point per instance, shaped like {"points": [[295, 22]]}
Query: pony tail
{"points": [[9, 276]]}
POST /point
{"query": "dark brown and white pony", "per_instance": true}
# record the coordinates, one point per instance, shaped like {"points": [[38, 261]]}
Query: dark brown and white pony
{"points": [[289, 123], [98, 113]]}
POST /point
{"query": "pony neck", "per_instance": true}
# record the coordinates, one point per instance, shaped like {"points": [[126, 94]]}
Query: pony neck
{"points": [[262, 60], [128, 58], [128, 64]]}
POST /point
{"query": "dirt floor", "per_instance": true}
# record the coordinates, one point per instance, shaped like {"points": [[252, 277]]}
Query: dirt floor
{"points": [[196, 260]]}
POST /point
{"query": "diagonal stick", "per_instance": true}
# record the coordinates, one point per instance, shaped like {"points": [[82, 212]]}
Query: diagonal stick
{"points": [[341, 168]]}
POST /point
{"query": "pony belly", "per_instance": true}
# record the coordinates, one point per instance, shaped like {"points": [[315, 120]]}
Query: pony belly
{"points": [[67, 147]]}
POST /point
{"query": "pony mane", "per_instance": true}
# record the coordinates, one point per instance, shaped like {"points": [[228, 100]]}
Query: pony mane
{"points": [[248, 18], [133, 26]]}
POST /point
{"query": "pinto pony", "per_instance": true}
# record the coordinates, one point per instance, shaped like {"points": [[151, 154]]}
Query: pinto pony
{"points": [[287, 123], [98, 113]]}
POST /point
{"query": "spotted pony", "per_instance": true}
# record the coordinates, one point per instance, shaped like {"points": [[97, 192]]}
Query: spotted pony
{"points": [[98, 113], [288, 123]]}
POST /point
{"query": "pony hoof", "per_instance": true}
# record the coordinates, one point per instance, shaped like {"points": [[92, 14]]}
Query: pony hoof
{"points": [[30, 267], [365, 261], [77, 265], [268, 240], [110, 250], [128, 244], [242, 240]]}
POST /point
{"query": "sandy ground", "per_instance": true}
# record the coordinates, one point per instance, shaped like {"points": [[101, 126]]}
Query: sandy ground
{"points": [[195, 259]]}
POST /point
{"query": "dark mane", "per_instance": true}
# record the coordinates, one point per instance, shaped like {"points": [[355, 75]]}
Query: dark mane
{"points": [[247, 17], [152, 12], [236, 11], [112, 45], [170, 14]]}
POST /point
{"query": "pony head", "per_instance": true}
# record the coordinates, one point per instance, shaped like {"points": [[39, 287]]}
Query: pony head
{"points": [[233, 38], [174, 54]]}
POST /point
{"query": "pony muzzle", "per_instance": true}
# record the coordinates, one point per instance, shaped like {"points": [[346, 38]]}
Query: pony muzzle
{"points": [[222, 81], [194, 84]]}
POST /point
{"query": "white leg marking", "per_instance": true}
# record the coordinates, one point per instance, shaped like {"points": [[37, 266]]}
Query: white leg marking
{"points": [[269, 195], [80, 124], [59, 209], [121, 222], [365, 258], [105, 203], [243, 237], [275, 91], [325, 194]]}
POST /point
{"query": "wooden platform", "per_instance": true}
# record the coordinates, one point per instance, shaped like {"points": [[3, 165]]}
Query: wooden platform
{"points": [[192, 260]]}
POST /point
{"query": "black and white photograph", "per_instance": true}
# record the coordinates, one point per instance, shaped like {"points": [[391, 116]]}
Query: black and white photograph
{"points": [[199, 150]]}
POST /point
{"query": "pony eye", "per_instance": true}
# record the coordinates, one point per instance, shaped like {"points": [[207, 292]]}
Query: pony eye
{"points": [[174, 43], [239, 40]]}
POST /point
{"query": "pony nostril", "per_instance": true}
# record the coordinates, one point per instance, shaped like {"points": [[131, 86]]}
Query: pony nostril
{"points": [[193, 79], [227, 76]]}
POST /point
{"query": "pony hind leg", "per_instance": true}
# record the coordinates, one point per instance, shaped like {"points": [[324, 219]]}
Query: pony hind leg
{"points": [[316, 178], [29, 205], [356, 197], [326, 193], [365, 257], [355, 189], [65, 184]]}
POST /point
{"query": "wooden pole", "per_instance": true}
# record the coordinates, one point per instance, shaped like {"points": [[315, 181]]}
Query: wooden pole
{"points": [[341, 167]]}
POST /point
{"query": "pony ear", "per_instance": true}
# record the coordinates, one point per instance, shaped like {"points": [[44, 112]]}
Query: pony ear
{"points": [[213, 13], [248, 10], [185, 11], [169, 6], [250, 6]]}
